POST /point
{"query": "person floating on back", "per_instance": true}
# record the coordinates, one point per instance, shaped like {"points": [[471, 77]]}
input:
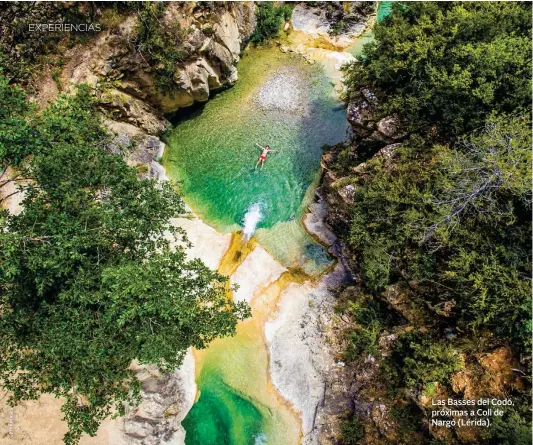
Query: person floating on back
{"points": [[263, 155]]}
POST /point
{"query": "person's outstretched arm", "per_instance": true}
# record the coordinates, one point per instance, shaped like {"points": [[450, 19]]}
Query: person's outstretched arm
{"points": [[262, 148]]}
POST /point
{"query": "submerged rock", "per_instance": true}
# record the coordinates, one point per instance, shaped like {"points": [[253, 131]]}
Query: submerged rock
{"points": [[284, 91]]}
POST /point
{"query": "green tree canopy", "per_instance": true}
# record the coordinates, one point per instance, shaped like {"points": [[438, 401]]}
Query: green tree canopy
{"points": [[16, 134], [270, 17], [441, 225], [456, 222], [449, 63], [89, 280]]}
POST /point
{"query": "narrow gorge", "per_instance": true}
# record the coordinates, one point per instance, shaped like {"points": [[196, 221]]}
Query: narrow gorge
{"points": [[377, 264]]}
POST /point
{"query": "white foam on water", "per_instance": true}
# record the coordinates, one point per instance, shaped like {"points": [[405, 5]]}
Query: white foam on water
{"points": [[261, 439], [250, 220]]}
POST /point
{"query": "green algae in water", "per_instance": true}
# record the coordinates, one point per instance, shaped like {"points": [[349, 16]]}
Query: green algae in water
{"points": [[213, 154]]}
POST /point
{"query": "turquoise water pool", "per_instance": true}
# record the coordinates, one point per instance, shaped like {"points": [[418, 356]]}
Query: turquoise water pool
{"points": [[384, 9], [214, 153]]}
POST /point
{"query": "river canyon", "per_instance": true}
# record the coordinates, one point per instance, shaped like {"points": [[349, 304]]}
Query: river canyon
{"points": [[264, 229]]}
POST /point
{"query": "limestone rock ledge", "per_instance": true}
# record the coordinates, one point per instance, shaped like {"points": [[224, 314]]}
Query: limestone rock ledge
{"points": [[302, 365], [333, 23], [302, 342], [166, 400], [372, 135], [125, 83]]}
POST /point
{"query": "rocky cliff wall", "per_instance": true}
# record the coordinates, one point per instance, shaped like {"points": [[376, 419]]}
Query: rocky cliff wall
{"points": [[126, 85], [490, 368], [371, 135], [212, 36]]}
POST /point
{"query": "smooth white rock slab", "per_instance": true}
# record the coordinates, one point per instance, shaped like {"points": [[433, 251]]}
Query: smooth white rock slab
{"points": [[207, 243], [300, 358], [256, 272]]}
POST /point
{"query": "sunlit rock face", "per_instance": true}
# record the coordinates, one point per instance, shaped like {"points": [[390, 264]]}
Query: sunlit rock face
{"points": [[127, 85], [336, 24], [166, 399], [301, 361], [255, 273], [207, 244]]}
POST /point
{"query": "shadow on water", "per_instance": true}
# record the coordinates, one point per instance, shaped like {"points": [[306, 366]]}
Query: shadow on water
{"points": [[193, 111], [186, 114]]}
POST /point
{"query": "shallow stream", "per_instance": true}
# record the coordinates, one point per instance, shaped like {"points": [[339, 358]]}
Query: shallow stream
{"points": [[281, 101]]}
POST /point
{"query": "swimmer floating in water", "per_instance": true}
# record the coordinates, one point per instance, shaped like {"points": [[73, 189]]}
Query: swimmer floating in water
{"points": [[263, 155]]}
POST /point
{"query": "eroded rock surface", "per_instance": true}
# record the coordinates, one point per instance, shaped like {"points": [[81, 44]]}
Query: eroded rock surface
{"points": [[336, 24], [315, 219], [284, 91], [256, 272], [166, 400], [11, 194], [126, 85], [207, 244], [301, 362]]}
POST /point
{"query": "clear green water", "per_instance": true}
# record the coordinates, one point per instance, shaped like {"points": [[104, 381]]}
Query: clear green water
{"points": [[384, 9], [357, 48], [235, 407], [212, 153], [222, 416]]}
